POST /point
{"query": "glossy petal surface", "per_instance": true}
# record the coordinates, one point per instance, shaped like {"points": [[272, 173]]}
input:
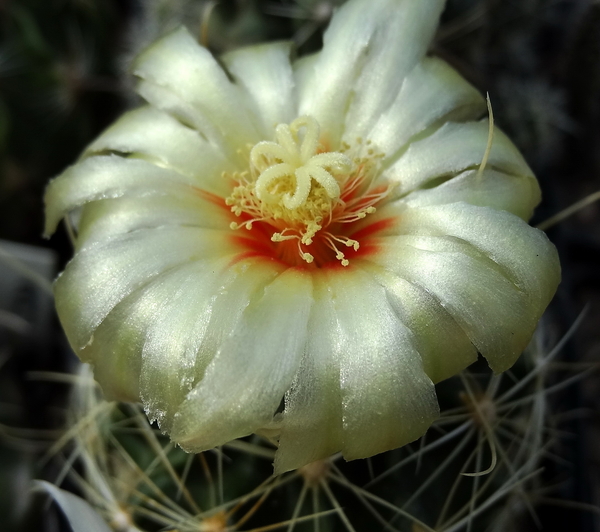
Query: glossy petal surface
{"points": [[301, 248]]}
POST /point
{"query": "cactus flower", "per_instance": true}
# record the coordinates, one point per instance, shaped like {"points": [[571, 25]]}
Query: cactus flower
{"points": [[301, 248]]}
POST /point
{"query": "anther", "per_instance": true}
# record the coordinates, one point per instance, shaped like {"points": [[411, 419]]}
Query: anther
{"points": [[298, 189]]}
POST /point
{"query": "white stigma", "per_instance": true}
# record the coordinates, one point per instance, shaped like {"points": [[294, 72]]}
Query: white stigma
{"points": [[294, 160], [303, 192]]}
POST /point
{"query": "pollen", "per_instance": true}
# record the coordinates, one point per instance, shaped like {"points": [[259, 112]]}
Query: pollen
{"points": [[304, 193]]}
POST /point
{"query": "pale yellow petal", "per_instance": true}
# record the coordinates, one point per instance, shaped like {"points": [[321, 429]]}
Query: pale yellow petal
{"points": [[311, 424], [516, 194], [451, 150], [487, 299], [303, 71], [105, 177], [102, 275], [163, 321], [265, 72], [158, 137], [443, 346], [253, 368], [431, 94], [387, 399], [180, 76], [508, 241], [114, 351], [104, 219], [172, 362], [367, 52]]}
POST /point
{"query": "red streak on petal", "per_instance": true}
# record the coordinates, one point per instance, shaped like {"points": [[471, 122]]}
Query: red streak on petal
{"points": [[373, 228], [258, 245], [253, 244], [246, 255], [211, 198], [351, 193], [368, 248]]}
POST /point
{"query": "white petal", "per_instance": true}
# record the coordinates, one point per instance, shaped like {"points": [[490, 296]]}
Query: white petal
{"points": [[433, 93], [104, 219], [451, 150], [254, 367], [99, 178], [180, 340], [146, 321], [102, 275], [366, 54], [182, 77], [518, 248], [311, 427], [303, 70], [265, 72], [181, 301], [387, 399], [156, 136], [481, 295], [442, 344], [115, 350], [516, 194]]}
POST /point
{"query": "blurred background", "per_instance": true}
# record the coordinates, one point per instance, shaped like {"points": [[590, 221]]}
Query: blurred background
{"points": [[64, 76]]}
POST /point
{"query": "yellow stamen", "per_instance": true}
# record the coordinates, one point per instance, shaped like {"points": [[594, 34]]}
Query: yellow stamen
{"points": [[298, 189]]}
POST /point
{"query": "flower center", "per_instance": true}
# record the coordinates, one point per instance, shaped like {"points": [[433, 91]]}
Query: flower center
{"points": [[302, 191]]}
